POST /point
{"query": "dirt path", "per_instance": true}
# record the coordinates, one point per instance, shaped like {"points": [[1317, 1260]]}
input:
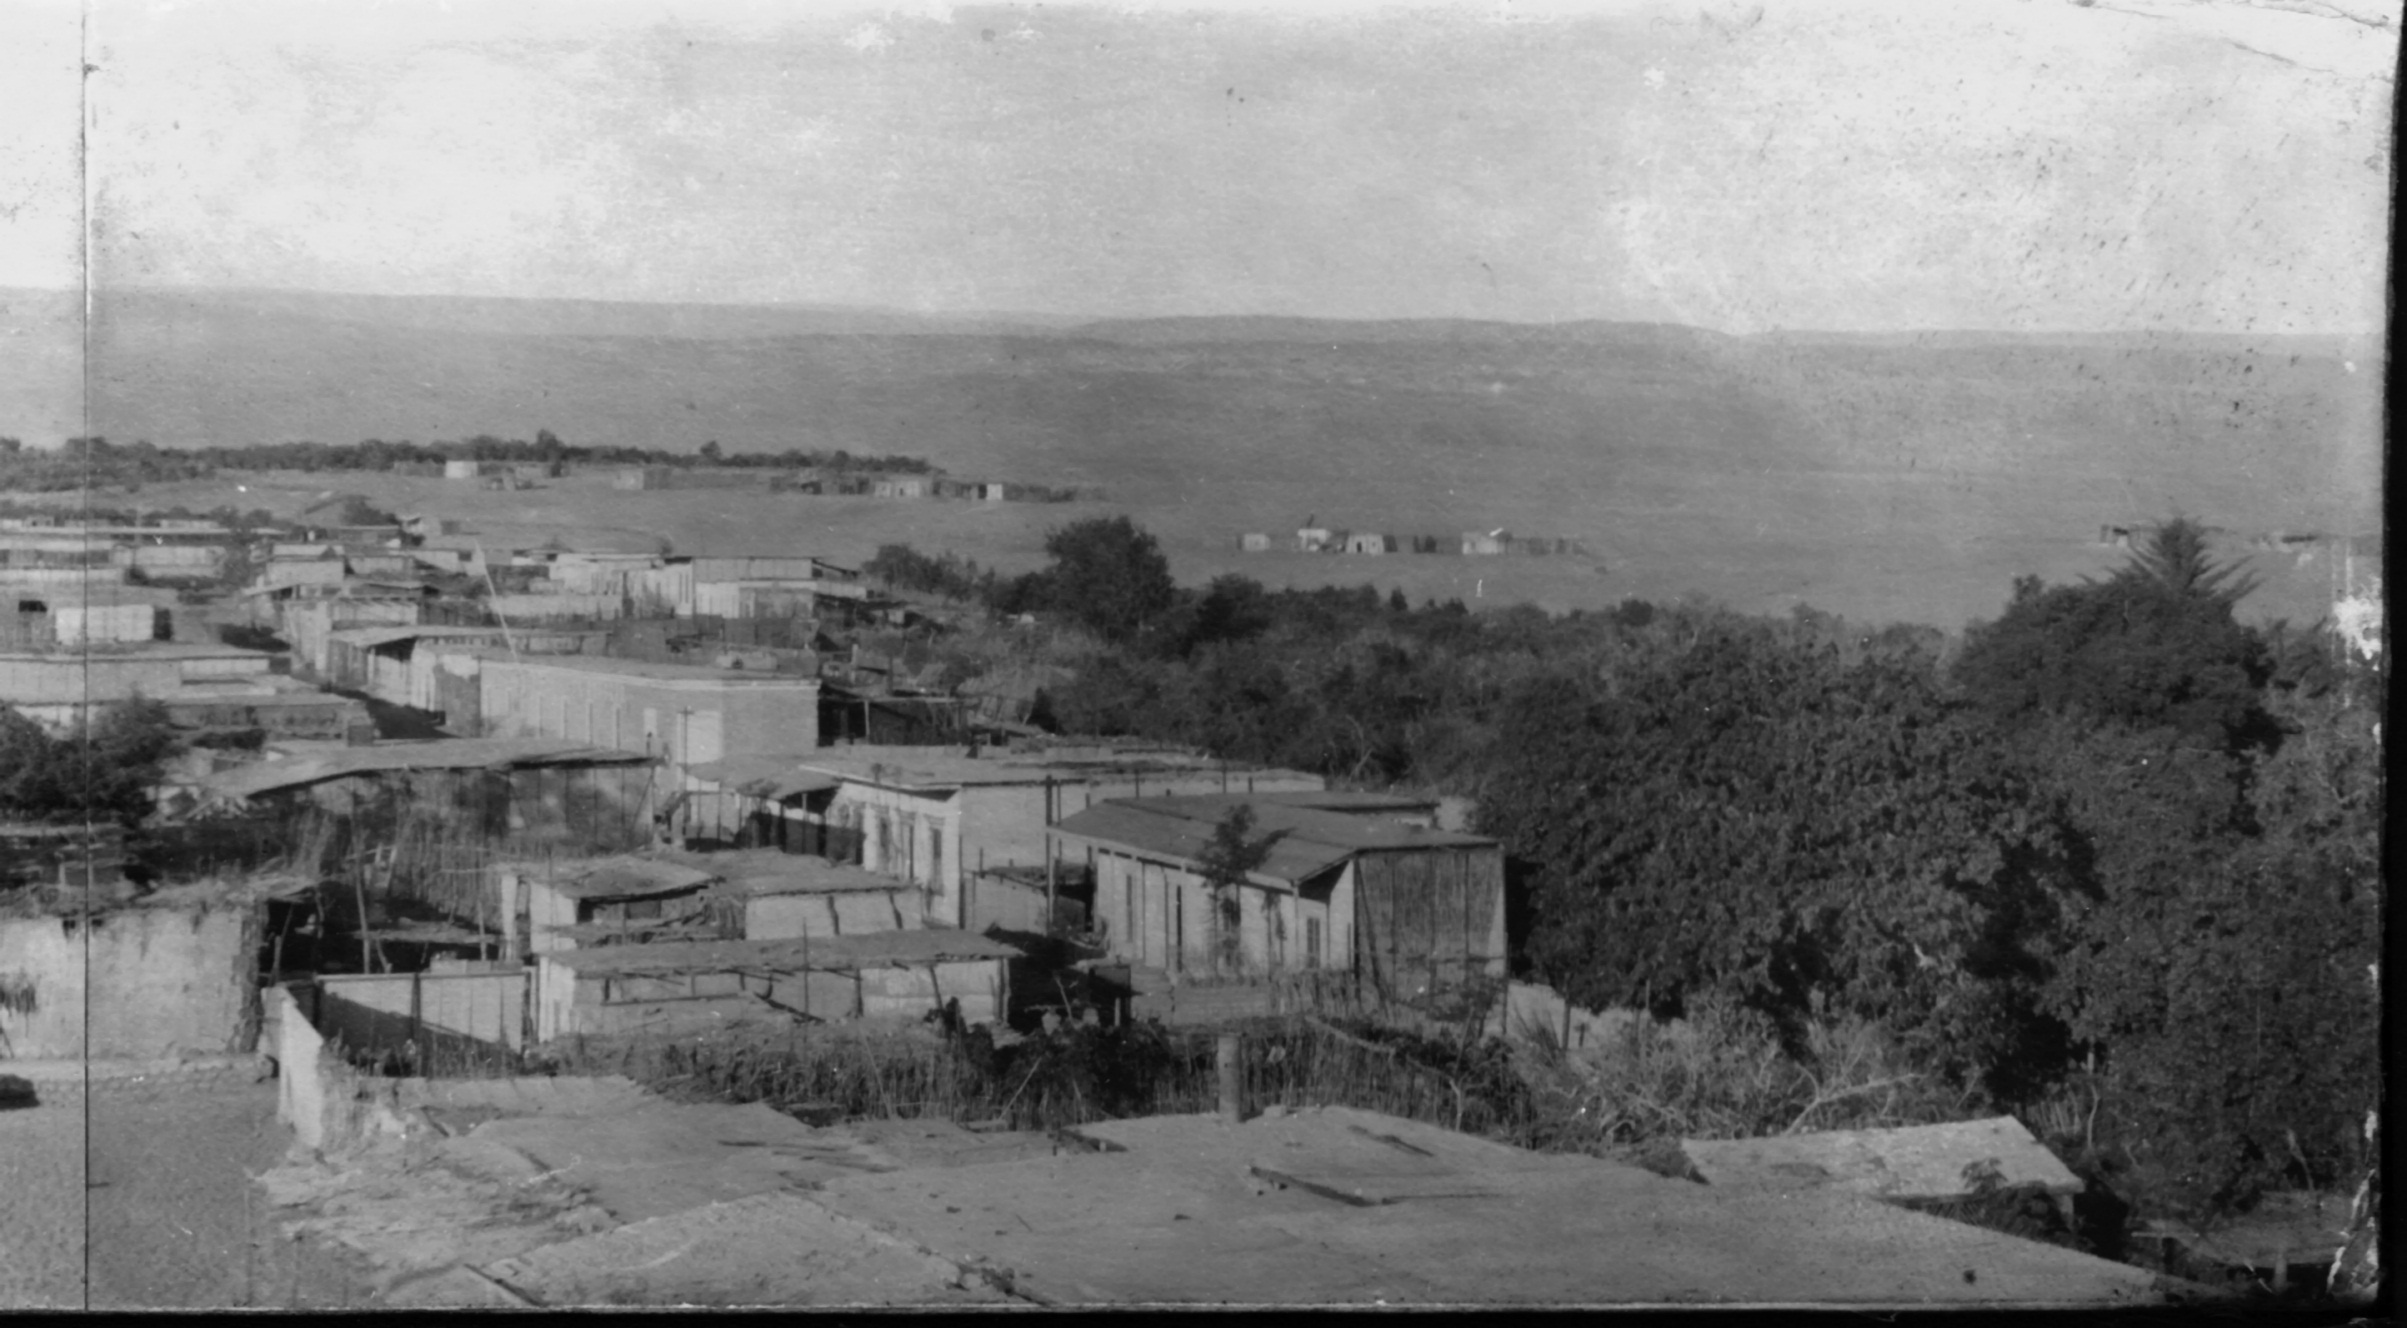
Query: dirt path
{"points": [[160, 1210]]}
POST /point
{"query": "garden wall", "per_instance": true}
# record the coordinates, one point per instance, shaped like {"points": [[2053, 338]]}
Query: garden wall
{"points": [[159, 982]]}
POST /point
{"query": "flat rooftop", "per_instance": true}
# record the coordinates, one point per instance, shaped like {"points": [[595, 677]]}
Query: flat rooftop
{"points": [[626, 876], [881, 949], [953, 767], [327, 761], [371, 637], [760, 872], [637, 668], [711, 1204], [145, 650], [1334, 1206]]}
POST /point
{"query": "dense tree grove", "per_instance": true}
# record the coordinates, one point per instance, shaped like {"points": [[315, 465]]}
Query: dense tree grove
{"points": [[2115, 849], [102, 771]]}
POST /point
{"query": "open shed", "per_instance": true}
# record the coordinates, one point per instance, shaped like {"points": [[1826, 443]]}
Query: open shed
{"points": [[583, 903]]}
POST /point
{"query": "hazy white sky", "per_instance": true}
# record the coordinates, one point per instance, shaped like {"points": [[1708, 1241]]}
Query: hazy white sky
{"points": [[1872, 164]]}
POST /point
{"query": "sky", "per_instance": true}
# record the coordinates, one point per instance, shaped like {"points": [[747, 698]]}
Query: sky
{"points": [[1864, 165]]}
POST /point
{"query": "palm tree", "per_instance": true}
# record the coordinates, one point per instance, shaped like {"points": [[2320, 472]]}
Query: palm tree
{"points": [[2174, 558]]}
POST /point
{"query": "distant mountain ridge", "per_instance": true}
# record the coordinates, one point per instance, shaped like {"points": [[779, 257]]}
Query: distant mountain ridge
{"points": [[706, 320]]}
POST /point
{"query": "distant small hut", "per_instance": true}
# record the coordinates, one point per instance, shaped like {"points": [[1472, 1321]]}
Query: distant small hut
{"points": [[1254, 542]]}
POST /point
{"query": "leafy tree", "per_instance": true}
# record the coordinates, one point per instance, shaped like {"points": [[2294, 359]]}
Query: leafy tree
{"points": [[2217, 962], [1233, 608], [358, 511], [104, 770], [1757, 820], [2175, 559], [1225, 863], [2153, 644], [34, 785], [1110, 576]]}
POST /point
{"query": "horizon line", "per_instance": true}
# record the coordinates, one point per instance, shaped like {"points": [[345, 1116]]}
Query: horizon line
{"points": [[1063, 320]]}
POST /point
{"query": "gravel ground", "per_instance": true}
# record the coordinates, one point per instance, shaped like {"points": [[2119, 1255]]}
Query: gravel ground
{"points": [[42, 1204], [161, 1210]]}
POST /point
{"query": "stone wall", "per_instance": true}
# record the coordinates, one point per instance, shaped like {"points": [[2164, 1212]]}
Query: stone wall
{"points": [[160, 982]]}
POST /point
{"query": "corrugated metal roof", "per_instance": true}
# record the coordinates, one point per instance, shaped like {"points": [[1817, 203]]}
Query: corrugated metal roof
{"points": [[1338, 800], [884, 949], [629, 876], [368, 638], [1132, 824], [895, 766], [766, 871], [440, 754], [773, 777], [639, 668], [1304, 841]]}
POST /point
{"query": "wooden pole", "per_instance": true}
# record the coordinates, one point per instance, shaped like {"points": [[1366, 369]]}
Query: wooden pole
{"points": [[359, 894], [1231, 1057]]}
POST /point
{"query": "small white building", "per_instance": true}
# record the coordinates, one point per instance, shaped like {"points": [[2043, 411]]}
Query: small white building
{"points": [[1254, 542], [320, 571], [1370, 542], [107, 621]]}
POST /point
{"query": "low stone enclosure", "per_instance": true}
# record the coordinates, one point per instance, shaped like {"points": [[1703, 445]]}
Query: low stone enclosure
{"points": [[142, 980]]}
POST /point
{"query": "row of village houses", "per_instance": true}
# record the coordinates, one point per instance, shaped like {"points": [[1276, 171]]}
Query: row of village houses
{"points": [[1322, 539], [567, 737], [857, 483]]}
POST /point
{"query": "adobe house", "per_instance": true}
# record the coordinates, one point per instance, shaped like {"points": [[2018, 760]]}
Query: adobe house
{"points": [[1315, 539], [684, 713], [1371, 542], [1488, 544], [105, 974], [1254, 542], [1360, 890]]}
